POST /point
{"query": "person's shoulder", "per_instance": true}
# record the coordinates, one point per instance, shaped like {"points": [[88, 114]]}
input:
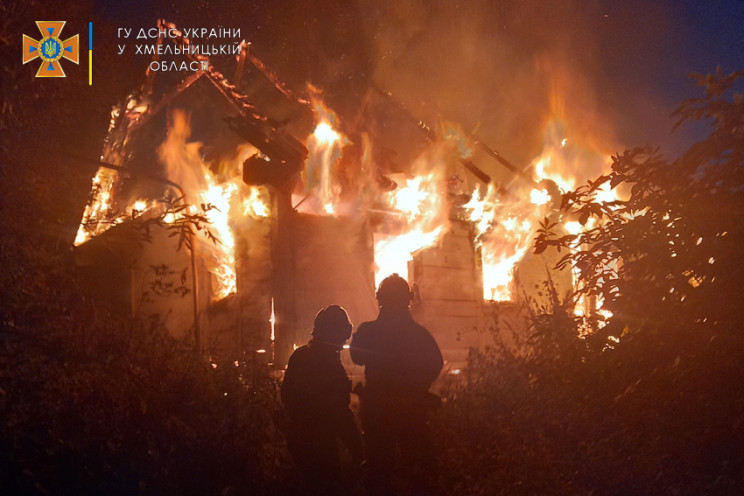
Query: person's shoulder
{"points": [[299, 354], [422, 332], [419, 327], [366, 326], [366, 329]]}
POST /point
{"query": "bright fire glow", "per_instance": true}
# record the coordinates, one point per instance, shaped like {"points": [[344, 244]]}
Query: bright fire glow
{"points": [[325, 135], [186, 168], [419, 206], [220, 195], [272, 321], [417, 209], [254, 205], [504, 233], [548, 166], [100, 213], [200, 187], [98, 216], [393, 252], [539, 196], [324, 146]]}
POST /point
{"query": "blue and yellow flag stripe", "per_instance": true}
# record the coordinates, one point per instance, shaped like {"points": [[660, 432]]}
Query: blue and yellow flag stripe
{"points": [[90, 54]]}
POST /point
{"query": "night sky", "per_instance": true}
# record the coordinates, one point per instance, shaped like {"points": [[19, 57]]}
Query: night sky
{"points": [[621, 66], [633, 55], [650, 49]]}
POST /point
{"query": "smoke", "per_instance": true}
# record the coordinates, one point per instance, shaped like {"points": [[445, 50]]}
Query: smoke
{"points": [[503, 69]]}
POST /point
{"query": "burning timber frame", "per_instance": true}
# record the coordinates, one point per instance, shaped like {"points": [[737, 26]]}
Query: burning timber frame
{"points": [[306, 261], [134, 134]]}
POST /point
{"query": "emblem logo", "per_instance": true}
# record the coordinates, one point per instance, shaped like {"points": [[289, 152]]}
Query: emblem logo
{"points": [[50, 49]]}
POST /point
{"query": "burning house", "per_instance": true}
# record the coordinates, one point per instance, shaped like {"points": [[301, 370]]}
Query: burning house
{"points": [[234, 208]]}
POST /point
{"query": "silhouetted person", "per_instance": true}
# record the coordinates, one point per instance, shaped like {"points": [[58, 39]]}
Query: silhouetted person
{"points": [[401, 361], [316, 393]]}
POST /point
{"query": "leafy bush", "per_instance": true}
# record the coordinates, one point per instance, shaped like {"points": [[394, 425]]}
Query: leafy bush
{"points": [[652, 402], [94, 402], [131, 411]]}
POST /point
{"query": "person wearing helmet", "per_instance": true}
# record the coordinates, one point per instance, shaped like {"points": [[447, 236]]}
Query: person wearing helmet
{"points": [[401, 360], [316, 393]]}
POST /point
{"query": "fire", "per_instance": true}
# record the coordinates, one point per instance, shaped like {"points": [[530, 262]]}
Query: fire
{"points": [[224, 202], [415, 208], [504, 232], [539, 196], [272, 322], [324, 146], [254, 205], [420, 211], [548, 166], [100, 213], [567, 163], [412, 196], [220, 196], [393, 252], [324, 134], [505, 227], [98, 216], [186, 168]]}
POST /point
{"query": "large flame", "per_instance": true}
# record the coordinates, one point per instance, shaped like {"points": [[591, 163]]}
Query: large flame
{"points": [[419, 213], [415, 208], [220, 200], [504, 233], [569, 164], [101, 213], [505, 226], [324, 146], [416, 212]]}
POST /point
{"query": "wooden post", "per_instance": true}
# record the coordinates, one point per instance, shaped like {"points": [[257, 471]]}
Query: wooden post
{"points": [[284, 283]]}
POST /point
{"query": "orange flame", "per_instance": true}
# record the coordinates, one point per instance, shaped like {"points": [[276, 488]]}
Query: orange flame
{"points": [[421, 211], [324, 146], [504, 232], [254, 205], [186, 168], [97, 217]]}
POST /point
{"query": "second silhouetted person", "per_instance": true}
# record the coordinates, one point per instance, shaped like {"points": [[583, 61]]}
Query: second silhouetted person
{"points": [[401, 360]]}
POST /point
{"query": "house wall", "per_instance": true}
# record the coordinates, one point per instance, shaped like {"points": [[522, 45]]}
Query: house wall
{"points": [[332, 263], [144, 274], [447, 284]]}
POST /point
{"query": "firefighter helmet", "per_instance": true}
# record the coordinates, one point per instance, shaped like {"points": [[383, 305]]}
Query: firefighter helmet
{"points": [[394, 291], [332, 325]]}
